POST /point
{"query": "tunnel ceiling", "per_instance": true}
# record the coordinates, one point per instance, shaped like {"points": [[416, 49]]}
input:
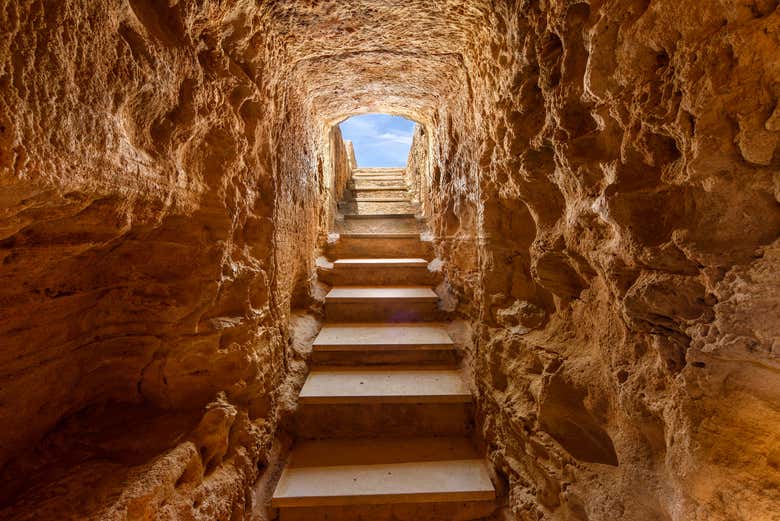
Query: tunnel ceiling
{"points": [[397, 57]]}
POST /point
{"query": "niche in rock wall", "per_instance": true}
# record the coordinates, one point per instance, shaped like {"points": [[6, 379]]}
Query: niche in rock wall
{"points": [[509, 230], [563, 415]]}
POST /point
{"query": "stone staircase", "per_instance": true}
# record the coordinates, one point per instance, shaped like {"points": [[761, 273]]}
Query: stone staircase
{"points": [[384, 419]]}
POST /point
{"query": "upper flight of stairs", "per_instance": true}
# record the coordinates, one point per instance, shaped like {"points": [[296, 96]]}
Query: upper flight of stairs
{"points": [[384, 419]]}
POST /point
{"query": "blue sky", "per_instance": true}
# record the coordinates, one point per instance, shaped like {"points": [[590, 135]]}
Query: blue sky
{"points": [[379, 139]]}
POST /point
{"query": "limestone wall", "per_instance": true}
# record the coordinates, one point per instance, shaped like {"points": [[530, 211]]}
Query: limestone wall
{"points": [[418, 167], [160, 205], [616, 180]]}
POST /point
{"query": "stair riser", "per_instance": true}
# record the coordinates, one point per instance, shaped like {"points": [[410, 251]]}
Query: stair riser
{"points": [[446, 511], [438, 357], [372, 211], [378, 227], [386, 175], [377, 207], [371, 276], [403, 224], [400, 216], [372, 248], [371, 194], [383, 311], [365, 420], [372, 179], [376, 183]]}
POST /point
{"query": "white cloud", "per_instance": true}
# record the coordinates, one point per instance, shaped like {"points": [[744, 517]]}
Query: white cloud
{"points": [[379, 139], [403, 139]]}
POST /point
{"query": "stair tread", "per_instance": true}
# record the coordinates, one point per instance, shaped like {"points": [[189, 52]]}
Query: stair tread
{"points": [[380, 235], [383, 207], [381, 263], [380, 226], [378, 188], [382, 215], [382, 201], [400, 179], [349, 472], [372, 189], [379, 200], [383, 384], [360, 293], [389, 175], [381, 334], [373, 175]]}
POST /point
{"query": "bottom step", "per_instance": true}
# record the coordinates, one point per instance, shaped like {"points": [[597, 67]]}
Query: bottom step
{"points": [[382, 479]]}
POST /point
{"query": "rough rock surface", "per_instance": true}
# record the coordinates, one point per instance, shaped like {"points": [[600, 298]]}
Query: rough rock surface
{"points": [[162, 195], [603, 182], [606, 198]]}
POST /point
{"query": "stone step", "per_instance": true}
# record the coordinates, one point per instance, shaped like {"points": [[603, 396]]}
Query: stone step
{"points": [[345, 247], [370, 294], [371, 179], [419, 358], [380, 235], [374, 207], [381, 263], [392, 419], [375, 169], [383, 216], [376, 200], [378, 272], [383, 400], [379, 176], [380, 336], [374, 180], [435, 479], [377, 189], [387, 384], [355, 344], [382, 303], [408, 225], [391, 190], [367, 184], [391, 173], [373, 175], [378, 193]]}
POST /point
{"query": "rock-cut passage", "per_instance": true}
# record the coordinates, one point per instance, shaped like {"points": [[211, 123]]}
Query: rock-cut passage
{"points": [[384, 420], [600, 181]]}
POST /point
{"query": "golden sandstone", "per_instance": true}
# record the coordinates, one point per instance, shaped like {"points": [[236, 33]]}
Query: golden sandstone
{"points": [[589, 216]]}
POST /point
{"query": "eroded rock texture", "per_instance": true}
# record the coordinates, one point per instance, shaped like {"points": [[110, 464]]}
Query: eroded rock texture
{"points": [[626, 199], [161, 199], [603, 181]]}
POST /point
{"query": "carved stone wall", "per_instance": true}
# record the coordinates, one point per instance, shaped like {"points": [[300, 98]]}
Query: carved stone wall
{"points": [[606, 193], [604, 190]]}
